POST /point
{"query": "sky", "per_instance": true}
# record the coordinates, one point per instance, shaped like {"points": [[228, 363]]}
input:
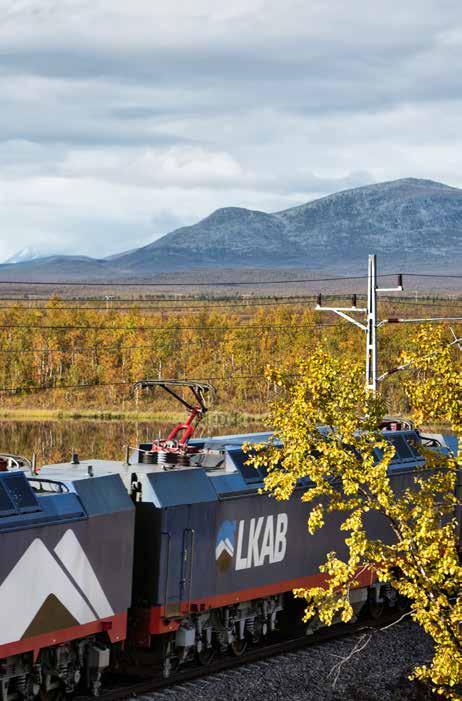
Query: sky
{"points": [[121, 121]]}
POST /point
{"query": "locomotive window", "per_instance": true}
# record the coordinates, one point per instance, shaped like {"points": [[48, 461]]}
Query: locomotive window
{"points": [[6, 505], [249, 473], [414, 447], [402, 449], [20, 493]]}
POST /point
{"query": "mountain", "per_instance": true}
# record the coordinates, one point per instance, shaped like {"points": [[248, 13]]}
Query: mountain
{"points": [[229, 236], [409, 222], [68, 268], [25, 254]]}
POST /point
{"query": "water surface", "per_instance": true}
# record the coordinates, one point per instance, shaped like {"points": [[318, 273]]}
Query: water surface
{"points": [[54, 441]]}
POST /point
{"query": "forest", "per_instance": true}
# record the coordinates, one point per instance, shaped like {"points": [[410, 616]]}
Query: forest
{"points": [[87, 354]]}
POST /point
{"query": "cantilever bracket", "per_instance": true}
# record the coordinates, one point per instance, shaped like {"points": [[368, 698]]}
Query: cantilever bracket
{"points": [[348, 317]]}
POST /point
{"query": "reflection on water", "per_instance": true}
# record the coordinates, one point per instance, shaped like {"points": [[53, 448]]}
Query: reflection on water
{"points": [[54, 441]]}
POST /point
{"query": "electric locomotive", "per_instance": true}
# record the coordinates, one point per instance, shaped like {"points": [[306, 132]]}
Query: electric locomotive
{"points": [[65, 577], [175, 551], [216, 559]]}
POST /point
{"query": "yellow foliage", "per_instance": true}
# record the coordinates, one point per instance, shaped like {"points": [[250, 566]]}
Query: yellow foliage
{"points": [[347, 461], [66, 343]]}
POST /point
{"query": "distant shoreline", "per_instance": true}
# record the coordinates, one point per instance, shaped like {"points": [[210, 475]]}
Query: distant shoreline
{"points": [[214, 419]]}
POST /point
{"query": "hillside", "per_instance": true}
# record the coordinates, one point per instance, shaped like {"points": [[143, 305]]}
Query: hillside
{"points": [[410, 223], [59, 267]]}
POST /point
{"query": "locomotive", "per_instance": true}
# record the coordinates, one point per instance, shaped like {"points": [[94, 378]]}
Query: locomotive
{"points": [[175, 550]]}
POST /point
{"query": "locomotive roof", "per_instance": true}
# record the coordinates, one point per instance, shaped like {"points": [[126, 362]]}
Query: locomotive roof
{"points": [[220, 464]]}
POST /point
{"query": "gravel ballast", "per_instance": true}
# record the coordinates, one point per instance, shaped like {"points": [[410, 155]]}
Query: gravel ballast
{"points": [[376, 673]]}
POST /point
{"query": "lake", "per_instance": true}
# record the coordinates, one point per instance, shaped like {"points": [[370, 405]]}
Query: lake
{"points": [[54, 441]]}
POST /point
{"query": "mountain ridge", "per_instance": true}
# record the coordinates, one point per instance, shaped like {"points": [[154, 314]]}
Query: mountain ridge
{"points": [[398, 218], [411, 222]]}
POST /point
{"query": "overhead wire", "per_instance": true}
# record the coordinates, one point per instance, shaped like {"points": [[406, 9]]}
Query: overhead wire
{"points": [[434, 275], [209, 306], [206, 305], [164, 329], [221, 283], [175, 329], [230, 283], [42, 388]]}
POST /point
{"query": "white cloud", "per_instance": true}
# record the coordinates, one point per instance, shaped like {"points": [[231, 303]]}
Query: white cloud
{"points": [[120, 121]]}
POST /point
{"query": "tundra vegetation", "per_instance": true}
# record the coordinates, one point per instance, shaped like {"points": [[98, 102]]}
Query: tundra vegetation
{"points": [[348, 466]]}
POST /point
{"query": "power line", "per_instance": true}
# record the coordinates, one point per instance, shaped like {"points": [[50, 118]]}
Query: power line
{"points": [[231, 283], [422, 303], [436, 319], [165, 329], [203, 307], [202, 342], [211, 306], [444, 275], [44, 388], [163, 300], [174, 329]]}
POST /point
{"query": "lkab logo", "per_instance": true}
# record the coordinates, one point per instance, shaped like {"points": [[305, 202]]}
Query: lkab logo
{"points": [[253, 543]]}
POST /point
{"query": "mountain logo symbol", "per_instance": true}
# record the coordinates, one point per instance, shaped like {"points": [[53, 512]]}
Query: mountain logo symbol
{"points": [[48, 590], [225, 545]]}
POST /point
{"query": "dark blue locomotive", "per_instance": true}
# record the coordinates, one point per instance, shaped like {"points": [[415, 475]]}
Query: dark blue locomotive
{"points": [[61, 607], [179, 538], [226, 556]]}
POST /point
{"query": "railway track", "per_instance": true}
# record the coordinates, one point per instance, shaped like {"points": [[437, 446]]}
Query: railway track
{"points": [[154, 686]]}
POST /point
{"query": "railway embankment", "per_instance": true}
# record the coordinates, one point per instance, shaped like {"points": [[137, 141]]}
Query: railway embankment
{"points": [[357, 668]]}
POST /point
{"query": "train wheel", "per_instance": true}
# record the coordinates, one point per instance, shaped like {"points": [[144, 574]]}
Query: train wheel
{"points": [[206, 656], [260, 629], [58, 693], [375, 609], [402, 604], [238, 647]]}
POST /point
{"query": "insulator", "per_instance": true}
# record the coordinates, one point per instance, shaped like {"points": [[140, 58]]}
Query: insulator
{"points": [[165, 458], [319, 300], [353, 301], [171, 460]]}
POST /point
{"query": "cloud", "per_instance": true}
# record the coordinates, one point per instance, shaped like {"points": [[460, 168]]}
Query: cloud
{"points": [[120, 121]]}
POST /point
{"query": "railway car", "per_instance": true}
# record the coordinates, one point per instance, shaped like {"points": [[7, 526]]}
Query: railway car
{"points": [[215, 559], [225, 558], [179, 538], [65, 578]]}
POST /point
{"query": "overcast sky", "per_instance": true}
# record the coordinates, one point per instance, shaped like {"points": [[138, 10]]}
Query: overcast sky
{"points": [[123, 119]]}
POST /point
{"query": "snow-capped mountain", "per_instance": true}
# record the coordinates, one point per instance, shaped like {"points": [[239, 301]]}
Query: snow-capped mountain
{"points": [[26, 254]]}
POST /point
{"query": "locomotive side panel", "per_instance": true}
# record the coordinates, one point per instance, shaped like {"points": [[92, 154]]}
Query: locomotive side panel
{"points": [[57, 568], [248, 546]]}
